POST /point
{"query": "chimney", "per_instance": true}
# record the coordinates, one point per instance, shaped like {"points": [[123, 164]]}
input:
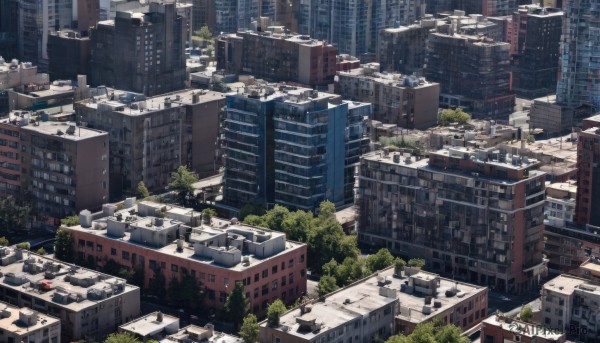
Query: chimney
{"points": [[159, 317]]}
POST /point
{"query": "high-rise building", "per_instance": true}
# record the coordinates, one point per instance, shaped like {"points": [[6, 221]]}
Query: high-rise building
{"points": [[86, 15], [473, 72], [155, 42], [535, 50], [578, 81], [69, 55], [292, 146], [475, 214], [9, 28], [407, 101], [402, 49], [485, 7], [588, 177], [275, 56]]}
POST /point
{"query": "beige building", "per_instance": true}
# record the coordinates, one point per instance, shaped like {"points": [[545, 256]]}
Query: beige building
{"points": [[570, 304], [164, 328], [549, 116], [88, 304], [15, 74], [381, 305], [406, 101], [26, 325]]}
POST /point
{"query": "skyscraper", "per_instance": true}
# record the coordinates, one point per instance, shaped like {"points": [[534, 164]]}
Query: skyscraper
{"points": [[294, 146], [579, 77]]}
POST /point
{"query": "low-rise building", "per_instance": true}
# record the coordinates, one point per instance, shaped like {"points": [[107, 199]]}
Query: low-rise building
{"points": [[590, 269], [381, 305], [163, 328], [89, 304], [21, 324], [570, 304], [158, 238], [500, 329], [407, 101], [549, 116]]}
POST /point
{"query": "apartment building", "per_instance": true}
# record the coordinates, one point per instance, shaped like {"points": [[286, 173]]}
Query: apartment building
{"points": [[9, 28], [179, 128], [485, 7], [535, 44], [276, 56], [570, 304], [21, 324], [475, 214], [588, 177], [164, 328], [407, 101], [473, 72], [218, 253], [88, 304], [402, 49], [155, 41], [381, 305], [69, 55], [499, 329], [62, 166], [14, 74], [578, 67], [292, 146]]}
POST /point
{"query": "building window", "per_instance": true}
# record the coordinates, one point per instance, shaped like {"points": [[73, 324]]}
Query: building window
{"points": [[302, 258], [99, 247], [113, 251], [274, 269], [152, 264], [283, 281], [274, 284], [211, 278], [256, 277], [125, 255], [222, 296], [291, 263], [265, 273], [265, 290], [302, 273], [256, 293], [291, 278], [226, 282], [82, 242], [174, 268]]}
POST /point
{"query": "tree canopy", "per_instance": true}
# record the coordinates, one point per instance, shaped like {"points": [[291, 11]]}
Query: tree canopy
{"points": [[122, 337], [63, 246], [181, 183], [526, 314], [204, 33], [431, 333], [382, 259], [142, 190], [250, 329], [449, 116], [14, 216], [237, 306], [70, 221], [274, 312], [327, 284]]}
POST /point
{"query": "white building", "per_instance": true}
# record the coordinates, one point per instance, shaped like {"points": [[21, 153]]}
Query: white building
{"points": [[26, 325]]}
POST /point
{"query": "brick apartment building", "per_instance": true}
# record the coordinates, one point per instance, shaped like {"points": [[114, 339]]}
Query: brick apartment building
{"points": [[218, 254], [407, 101], [402, 49], [276, 56], [475, 214], [180, 128], [62, 166]]}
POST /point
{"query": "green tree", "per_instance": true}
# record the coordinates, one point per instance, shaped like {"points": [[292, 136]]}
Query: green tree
{"points": [[449, 116], [191, 295], [275, 217], [399, 265], [327, 284], [274, 312], [382, 259], [209, 212], [173, 291], [250, 329], [157, 284], [352, 269], [204, 33], [450, 334], [23, 245], [326, 210], [41, 251], [4, 242], [526, 314], [330, 268], [14, 216], [181, 183], [142, 190], [63, 246], [70, 221], [399, 339], [237, 306], [254, 220], [122, 337], [416, 262], [297, 225]]}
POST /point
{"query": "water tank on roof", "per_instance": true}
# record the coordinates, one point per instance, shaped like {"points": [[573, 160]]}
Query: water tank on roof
{"points": [[85, 218], [129, 202]]}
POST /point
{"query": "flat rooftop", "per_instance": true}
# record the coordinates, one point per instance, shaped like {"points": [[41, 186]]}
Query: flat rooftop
{"points": [[67, 286], [591, 265], [150, 324], [379, 156], [11, 319], [522, 328], [64, 130], [564, 284], [197, 334]]}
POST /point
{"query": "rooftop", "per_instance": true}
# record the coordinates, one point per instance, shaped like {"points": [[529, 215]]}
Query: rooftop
{"points": [[396, 158], [66, 286], [20, 321], [592, 265], [564, 284], [371, 71], [217, 242], [197, 334], [151, 324], [64, 130], [523, 328], [374, 292]]}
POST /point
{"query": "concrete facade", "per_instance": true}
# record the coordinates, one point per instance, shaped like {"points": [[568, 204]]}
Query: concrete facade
{"points": [[26, 325], [69, 55], [402, 49], [500, 329], [87, 303], [476, 214]]}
